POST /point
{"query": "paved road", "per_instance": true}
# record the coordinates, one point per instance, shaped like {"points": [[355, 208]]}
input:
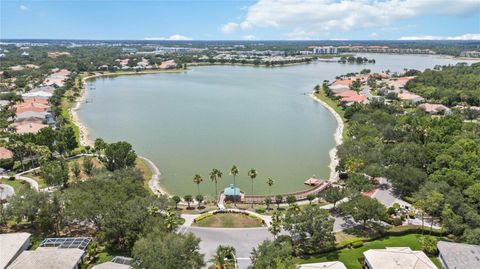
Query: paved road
{"points": [[6, 191], [243, 239]]}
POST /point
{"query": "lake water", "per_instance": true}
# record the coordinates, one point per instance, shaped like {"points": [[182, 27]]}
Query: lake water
{"points": [[217, 116]]}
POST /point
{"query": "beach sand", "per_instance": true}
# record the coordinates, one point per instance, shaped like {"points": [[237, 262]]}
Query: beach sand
{"points": [[338, 139]]}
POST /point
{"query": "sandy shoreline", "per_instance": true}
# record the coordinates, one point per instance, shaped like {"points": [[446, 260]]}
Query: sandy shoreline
{"points": [[338, 139]]}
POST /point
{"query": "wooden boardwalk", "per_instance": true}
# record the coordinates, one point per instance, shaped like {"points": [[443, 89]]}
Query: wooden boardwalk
{"points": [[300, 195]]}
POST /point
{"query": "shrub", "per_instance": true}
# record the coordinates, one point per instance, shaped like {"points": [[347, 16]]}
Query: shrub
{"points": [[397, 221], [357, 244], [260, 210], [391, 211], [203, 216]]}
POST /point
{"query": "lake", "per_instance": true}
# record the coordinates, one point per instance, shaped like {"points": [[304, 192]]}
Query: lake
{"points": [[217, 116]]}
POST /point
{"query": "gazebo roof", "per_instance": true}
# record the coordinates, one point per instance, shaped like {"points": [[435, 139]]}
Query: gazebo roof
{"points": [[231, 191]]}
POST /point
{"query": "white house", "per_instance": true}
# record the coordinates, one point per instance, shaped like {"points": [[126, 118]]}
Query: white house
{"points": [[11, 245], [397, 258]]}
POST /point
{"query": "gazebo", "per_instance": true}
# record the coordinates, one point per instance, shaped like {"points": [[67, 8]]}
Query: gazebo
{"points": [[313, 181], [231, 192]]}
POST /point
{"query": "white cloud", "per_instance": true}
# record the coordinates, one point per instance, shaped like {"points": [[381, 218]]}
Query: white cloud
{"points": [[23, 7], [176, 37], [318, 16], [430, 37], [249, 37], [373, 35], [229, 27], [300, 34]]}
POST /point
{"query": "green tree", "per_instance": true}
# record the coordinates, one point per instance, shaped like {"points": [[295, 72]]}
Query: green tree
{"points": [[310, 198], [364, 209], [55, 173], [276, 225], [88, 165], [278, 200], [99, 145], [197, 179], [268, 202], [176, 199], [199, 199], [333, 195], [119, 155], [215, 175], [358, 183], [234, 172], [270, 183], [224, 258], [429, 244], [273, 255], [252, 173], [188, 198], [26, 205], [291, 199], [311, 229], [160, 250], [75, 169]]}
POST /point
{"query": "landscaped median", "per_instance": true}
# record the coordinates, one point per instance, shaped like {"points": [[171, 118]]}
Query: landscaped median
{"points": [[228, 219]]}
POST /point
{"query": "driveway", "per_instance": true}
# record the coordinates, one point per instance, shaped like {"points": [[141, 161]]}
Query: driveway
{"points": [[243, 239]]}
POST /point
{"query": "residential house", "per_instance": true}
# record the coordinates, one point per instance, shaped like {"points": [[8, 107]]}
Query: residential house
{"points": [[338, 88], [410, 97], [435, 109], [397, 258], [49, 257], [458, 255], [28, 127], [11, 245], [39, 94], [56, 54]]}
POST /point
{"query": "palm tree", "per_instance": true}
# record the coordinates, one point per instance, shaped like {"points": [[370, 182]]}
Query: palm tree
{"points": [[171, 220], [224, 257], [197, 179], [215, 175], [270, 183], [234, 172], [252, 174]]}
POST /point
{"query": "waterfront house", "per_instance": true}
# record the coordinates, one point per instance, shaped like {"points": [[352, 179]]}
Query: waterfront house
{"points": [[458, 255], [11, 245], [28, 127], [338, 88], [118, 262], [397, 258]]}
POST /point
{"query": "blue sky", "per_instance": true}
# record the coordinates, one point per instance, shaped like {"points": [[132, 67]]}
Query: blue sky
{"points": [[254, 19]]}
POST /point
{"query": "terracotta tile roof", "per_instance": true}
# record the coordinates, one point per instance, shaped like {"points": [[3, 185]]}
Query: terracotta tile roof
{"points": [[5, 153], [28, 127]]}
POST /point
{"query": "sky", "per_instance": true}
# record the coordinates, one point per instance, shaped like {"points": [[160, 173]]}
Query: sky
{"points": [[241, 20]]}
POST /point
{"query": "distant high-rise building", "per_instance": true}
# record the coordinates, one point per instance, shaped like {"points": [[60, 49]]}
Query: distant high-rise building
{"points": [[325, 50]]}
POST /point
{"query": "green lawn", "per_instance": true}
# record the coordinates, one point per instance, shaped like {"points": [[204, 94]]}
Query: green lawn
{"points": [[16, 184], [350, 256]]}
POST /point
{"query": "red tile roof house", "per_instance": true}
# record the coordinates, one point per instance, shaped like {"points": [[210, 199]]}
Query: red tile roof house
{"points": [[5, 154], [347, 82], [28, 127], [349, 97]]}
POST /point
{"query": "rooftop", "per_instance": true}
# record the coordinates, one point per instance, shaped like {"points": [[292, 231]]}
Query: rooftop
{"points": [[458, 255], [11, 244], [327, 265], [45, 257], [5, 153], [231, 191], [398, 258]]}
